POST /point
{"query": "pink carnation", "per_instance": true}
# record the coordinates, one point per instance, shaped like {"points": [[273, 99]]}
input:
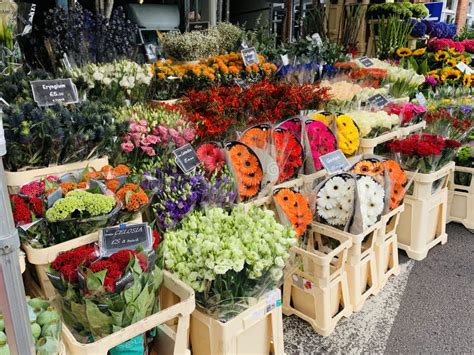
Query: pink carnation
{"points": [[189, 134], [127, 147], [149, 151]]}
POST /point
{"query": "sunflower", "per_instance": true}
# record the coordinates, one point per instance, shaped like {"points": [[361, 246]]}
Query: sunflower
{"points": [[441, 55], [467, 81], [464, 59], [419, 51], [404, 52], [451, 62], [450, 74]]}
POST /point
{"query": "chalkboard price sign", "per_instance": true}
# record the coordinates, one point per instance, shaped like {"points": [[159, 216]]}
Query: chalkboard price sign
{"points": [[50, 92], [334, 161], [249, 56], [378, 100], [124, 236], [366, 62], [186, 158]]}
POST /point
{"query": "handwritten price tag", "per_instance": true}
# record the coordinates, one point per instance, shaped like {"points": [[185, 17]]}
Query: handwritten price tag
{"points": [[334, 161], [124, 236]]}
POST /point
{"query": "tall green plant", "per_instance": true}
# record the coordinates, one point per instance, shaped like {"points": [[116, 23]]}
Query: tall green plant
{"points": [[391, 33]]}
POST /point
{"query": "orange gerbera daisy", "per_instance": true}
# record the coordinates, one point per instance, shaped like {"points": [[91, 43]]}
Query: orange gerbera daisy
{"points": [[363, 167], [296, 209], [247, 168], [257, 137]]}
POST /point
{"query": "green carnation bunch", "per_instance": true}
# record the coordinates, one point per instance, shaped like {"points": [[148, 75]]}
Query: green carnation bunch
{"points": [[80, 203], [229, 256]]}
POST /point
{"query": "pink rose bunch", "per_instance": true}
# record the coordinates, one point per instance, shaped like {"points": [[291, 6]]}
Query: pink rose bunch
{"points": [[406, 111], [438, 44]]}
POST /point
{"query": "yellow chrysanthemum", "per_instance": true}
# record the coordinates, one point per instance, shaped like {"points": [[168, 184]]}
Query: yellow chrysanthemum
{"points": [[419, 51], [441, 55], [450, 74], [404, 52]]}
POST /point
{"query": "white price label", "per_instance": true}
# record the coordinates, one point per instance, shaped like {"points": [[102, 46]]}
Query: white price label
{"points": [[464, 68], [284, 59]]}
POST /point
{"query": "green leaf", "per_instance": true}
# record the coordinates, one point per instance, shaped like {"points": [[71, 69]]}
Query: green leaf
{"points": [[100, 323], [117, 318], [79, 312], [94, 281], [136, 268], [127, 196], [424, 68], [131, 293]]}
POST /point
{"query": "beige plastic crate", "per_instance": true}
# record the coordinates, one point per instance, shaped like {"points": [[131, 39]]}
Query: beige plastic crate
{"points": [[360, 265], [40, 258], [21, 260], [367, 145], [461, 199], [257, 331], [405, 131], [426, 185], [17, 179], [386, 247], [423, 224], [311, 181], [315, 287], [180, 311]]}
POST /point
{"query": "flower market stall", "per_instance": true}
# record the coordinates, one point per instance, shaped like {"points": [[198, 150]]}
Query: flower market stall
{"points": [[183, 206]]}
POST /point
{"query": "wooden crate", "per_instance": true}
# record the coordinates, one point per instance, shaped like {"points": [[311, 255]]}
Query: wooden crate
{"points": [[315, 287], [461, 199], [17, 179], [257, 331], [360, 264], [40, 258], [180, 311], [386, 247], [423, 224], [426, 185]]}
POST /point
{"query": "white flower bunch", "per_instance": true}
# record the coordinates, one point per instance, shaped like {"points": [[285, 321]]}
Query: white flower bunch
{"points": [[335, 201], [371, 200], [370, 123], [124, 73], [213, 242], [397, 73]]}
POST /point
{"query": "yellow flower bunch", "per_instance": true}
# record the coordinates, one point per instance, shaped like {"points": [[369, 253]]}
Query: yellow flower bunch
{"points": [[326, 117], [347, 134], [407, 52]]}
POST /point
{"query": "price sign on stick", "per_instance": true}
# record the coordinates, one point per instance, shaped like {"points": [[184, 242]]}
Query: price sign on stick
{"points": [[378, 100], [366, 62], [249, 56], [50, 92], [334, 161], [124, 236], [186, 158]]}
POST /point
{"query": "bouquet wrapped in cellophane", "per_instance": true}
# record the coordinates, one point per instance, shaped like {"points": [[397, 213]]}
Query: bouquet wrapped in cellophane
{"points": [[229, 259], [100, 296]]}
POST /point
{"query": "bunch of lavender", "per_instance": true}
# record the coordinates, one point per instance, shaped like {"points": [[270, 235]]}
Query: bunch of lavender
{"points": [[88, 38], [174, 195]]}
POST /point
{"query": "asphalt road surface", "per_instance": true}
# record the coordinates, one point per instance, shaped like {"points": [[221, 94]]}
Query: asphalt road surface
{"points": [[428, 308]]}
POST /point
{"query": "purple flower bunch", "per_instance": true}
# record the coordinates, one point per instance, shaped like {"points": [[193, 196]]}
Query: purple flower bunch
{"points": [[220, 192], [440, 29], [174, 195], [419, 28]]}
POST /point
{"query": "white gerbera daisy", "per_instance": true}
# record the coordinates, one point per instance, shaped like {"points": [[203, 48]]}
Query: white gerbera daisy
{"points": [[325, 200], [335, 186], [347, 204]]}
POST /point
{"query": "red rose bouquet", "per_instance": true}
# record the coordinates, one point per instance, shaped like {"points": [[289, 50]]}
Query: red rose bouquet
{"points": [[424, 153], [101, 296]]}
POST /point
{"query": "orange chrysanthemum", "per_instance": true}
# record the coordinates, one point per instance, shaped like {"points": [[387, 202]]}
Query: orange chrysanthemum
{"points": [[92, 175], [121, 170], [67, 187], [132, 197]]}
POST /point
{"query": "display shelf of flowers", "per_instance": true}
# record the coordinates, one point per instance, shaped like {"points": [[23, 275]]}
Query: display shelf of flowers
{"points": [[461, 189], [112, 301], [428, 162], [46, 328], [57, 214], [362, 223]]}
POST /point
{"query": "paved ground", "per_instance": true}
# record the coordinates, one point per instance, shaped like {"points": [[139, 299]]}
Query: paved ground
{"points": [[428, 308]]}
